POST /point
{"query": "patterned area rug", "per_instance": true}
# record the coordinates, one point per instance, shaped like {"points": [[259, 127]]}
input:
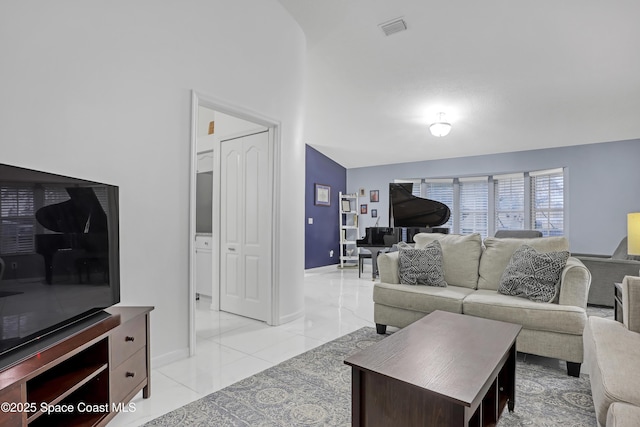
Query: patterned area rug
{"points": [[314, 389]]}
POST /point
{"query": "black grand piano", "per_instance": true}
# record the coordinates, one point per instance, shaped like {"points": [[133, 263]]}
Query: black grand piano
{"points": [[80, 226], [408, 216]]}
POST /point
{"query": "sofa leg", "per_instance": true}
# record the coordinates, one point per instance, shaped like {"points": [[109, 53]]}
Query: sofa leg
{"points": [[381, 329], [573, 369]]}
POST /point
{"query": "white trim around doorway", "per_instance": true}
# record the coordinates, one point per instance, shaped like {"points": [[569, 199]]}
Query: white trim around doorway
{"points": [[197, 100]]}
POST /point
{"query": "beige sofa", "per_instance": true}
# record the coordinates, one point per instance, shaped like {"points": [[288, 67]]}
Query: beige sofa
{"points": [[473, 273], [612, 350]]}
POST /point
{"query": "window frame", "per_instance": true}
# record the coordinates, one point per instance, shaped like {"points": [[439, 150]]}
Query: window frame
{"points": [[493, 210]]}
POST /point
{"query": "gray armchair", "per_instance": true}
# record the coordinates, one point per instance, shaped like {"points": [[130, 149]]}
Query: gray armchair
{"points": [[607, 270], [519, 234]]}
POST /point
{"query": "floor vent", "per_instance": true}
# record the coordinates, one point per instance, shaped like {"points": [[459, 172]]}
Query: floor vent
{"points": [[393, 26]]}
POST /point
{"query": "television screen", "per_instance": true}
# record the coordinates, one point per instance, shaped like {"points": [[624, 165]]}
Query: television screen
{"points": [[59, 253]]}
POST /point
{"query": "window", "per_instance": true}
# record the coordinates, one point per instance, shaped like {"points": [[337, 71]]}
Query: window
{"points": [[17, 221], [547, 202], [441, 190], [518, 201], [473, 214], [509, 202]]}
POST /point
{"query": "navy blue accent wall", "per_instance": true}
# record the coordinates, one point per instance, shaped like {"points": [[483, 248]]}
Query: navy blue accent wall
{"points": [[321, 237]]}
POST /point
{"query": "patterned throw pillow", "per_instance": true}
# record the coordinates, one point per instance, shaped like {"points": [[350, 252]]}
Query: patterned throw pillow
{"points": [[421, 266], [532, 274]]}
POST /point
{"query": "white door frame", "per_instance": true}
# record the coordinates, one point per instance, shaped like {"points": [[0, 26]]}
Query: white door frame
{"points": [[197, 100]]}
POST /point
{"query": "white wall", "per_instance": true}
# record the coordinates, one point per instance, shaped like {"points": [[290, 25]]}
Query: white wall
{"points": [[112, 81]]}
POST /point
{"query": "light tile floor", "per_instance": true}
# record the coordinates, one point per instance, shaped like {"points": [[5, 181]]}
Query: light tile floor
{"points": [[230, 348]]}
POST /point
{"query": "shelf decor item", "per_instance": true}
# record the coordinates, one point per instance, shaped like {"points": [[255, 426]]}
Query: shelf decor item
{"points": [[346, 205], [322, 195]]}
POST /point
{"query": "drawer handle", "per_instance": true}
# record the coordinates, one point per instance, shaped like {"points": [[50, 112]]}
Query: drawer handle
{"points": [[129, 339], [130, 374]]}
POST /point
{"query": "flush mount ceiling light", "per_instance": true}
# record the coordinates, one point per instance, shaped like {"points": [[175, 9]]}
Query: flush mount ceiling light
{"points": [[440, 127]]}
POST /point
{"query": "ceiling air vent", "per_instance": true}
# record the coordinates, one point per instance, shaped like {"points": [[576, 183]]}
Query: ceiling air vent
{"points": [[393, 26]]}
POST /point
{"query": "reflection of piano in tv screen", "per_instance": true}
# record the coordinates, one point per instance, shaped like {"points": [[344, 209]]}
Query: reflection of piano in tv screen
{"points": [[408, 216], [80, 243]]}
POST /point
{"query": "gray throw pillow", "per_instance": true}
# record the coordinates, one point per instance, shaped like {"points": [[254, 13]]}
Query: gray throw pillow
{"points": [[421, 266], [532, 274]]}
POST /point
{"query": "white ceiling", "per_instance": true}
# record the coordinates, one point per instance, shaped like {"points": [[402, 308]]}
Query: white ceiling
{"points": [[511, 76]]}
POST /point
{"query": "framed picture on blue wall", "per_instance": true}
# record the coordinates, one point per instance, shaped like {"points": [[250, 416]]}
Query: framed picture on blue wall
{"points": [[323, 195]]}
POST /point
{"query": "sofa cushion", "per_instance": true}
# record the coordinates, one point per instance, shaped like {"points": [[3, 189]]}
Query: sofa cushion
{"points": [[460, 256], [532, 274], [424, 299], [421, 266], [614, 354], [498, 252], [533, 315]]}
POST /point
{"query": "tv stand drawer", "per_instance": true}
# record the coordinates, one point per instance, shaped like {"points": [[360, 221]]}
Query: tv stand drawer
{"points": [[129, 375], [127, 339]]}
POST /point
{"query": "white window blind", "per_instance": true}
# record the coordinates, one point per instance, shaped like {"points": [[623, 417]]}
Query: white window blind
{"points": [[441, 190], [474, 206], [547, 202], [509, 202], [17, 221]]}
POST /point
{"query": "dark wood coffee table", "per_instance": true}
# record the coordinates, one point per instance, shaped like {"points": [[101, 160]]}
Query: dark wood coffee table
{"points": [[445, 369]]}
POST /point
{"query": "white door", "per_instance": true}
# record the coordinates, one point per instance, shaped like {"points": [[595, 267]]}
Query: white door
{"points": [[245, 226]]}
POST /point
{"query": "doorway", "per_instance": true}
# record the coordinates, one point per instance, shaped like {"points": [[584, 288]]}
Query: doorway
{"points": [[240, 147]]}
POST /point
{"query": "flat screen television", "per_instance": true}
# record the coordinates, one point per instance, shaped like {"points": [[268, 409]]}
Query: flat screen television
{"points": [[59, 256]]}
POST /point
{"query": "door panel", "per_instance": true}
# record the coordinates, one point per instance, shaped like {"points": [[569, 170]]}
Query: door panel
{"points": [[230, 284], [252, 280], [245, 226]]}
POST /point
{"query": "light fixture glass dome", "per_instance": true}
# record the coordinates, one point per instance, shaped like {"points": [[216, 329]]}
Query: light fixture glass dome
{"points": [[440, 127]]}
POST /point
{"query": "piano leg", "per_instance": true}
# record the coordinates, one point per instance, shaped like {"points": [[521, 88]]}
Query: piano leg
{"points": [[374, 264], [48, 269]]}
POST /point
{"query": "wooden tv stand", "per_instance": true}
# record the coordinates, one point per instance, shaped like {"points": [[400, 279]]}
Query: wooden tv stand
{"points": [[83, 379]]}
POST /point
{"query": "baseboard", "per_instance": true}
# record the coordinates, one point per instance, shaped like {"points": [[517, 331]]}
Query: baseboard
{"points": [[172, 356], [319, 270], [291, 317]]}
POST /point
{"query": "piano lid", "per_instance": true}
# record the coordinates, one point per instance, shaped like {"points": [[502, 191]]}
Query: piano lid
{"points": [[82, 213], [407, 210]]}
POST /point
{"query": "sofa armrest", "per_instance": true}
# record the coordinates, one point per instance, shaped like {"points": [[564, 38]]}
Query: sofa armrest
{"points": [[596, 263], [609, 271], [574, 284], [388, 266], [590, 256], [631, 303]]}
